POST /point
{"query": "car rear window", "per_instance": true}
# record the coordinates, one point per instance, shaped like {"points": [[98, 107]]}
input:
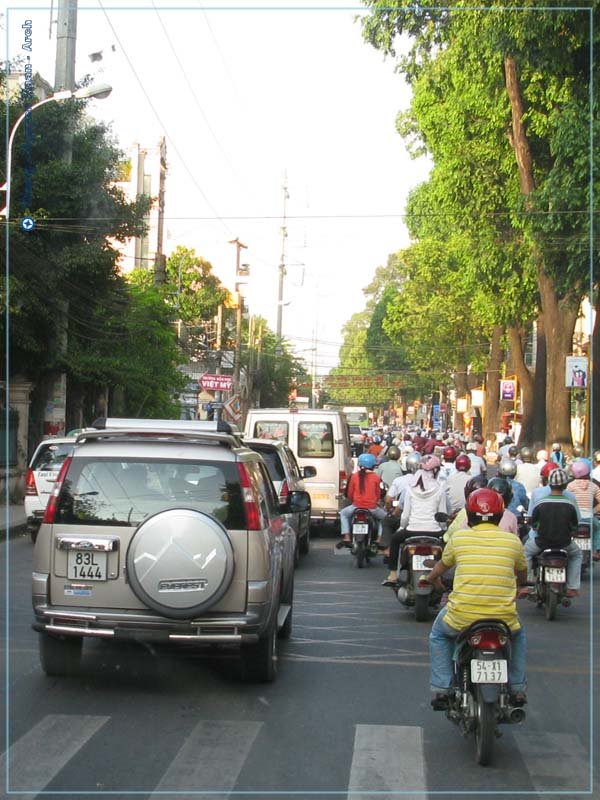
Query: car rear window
{"points": [[107, 491], [271, 430], [315, 440], [273, 462], [50, 456]]}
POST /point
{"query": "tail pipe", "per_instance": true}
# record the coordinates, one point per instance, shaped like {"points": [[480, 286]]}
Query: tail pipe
{"points": [[516, 714]]}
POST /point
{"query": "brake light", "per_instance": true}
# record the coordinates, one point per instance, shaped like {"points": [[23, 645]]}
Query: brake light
{"points": [[361, 516], [343, 481], [554, 562], [52, 505], [583, 532], [488, 640], [250, 500], [30, 487], [423, 550], [284, 492]]}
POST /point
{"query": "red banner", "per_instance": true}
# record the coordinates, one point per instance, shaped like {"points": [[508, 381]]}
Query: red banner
{"points": [[216, 383]]}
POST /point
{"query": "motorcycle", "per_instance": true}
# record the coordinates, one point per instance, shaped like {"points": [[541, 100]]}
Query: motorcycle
{"points": [[480, 697], [417, 557], [550, 581], [582, 537], [522, 523], [363, 526]]}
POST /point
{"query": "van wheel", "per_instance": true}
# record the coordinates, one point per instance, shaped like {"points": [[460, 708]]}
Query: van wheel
{"points": [[259, 660], [60, 656]]}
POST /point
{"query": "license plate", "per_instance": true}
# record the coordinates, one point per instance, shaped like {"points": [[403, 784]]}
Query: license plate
{"points": [[360, 527], [86, 565], [495, 671], [417, 562], [583, 544], [555, 574]]}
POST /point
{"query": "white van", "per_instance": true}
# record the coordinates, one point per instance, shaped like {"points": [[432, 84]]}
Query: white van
{"points": [[318, 438]]}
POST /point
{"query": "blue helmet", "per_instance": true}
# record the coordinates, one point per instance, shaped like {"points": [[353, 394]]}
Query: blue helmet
{"points": [[367, 461]]}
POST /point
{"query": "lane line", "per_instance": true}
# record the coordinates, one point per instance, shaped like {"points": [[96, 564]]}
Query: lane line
{"points": [[211, 758], [38, 756], [387, 758]]}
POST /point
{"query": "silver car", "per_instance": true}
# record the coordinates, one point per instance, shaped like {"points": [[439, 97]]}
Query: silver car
{"points": [[167, 531], [41, 475], [287, 477]]}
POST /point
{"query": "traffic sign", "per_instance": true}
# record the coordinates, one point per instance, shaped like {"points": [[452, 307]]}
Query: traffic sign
{"points": [[216, 383], [28, 224]]}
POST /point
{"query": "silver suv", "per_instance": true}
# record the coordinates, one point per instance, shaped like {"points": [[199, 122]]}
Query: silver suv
{"points": [[167, 531]]}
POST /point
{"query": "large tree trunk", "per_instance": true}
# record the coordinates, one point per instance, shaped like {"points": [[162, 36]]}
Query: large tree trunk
{"points": [[539, 387], [462, 390], [593, 393], [516, 338], [491, 407]]}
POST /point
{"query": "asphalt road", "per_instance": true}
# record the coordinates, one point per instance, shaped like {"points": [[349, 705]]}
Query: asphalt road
{"points": [[349, 715]]}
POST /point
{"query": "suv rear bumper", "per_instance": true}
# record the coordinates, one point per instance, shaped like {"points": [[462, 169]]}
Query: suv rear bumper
{"points": [[226, 629]]}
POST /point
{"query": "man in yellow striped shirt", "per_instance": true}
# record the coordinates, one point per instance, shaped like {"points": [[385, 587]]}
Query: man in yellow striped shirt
{"points": [[487, 561]]}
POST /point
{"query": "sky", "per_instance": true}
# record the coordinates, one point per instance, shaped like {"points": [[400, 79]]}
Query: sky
{"points": [[252, 98]]}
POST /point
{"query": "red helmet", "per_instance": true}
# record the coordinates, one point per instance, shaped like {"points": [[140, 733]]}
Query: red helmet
{"points": [[463, 463], [449, 453], [484, 505], [547, 468]]}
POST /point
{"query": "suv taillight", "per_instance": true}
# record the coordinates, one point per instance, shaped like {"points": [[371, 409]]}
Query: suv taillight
{"points": [[251, 507], [343, 481], [284, 492], [30, 487], [52, 506]]}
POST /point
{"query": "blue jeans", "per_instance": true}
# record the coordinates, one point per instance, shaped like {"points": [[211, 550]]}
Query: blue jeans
{"points": [[346, 514], [441, 650], [573, 564]]}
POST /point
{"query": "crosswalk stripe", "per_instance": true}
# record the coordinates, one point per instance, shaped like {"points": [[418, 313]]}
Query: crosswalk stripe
{"points": [[555, 761], [211, 758], [38, 756], [387, 758]]}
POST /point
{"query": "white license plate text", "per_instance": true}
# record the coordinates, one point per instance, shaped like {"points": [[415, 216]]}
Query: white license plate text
{"points": [[86, 565], [494, 671]]}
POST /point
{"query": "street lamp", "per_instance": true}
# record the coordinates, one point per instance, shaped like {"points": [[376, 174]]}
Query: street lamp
{"points": [[99, 91]]}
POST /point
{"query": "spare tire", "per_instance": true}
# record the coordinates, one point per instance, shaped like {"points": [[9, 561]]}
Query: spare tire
{"points": [[180, 562]]}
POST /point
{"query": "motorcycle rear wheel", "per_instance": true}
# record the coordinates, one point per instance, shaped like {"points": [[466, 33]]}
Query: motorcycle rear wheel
{"points": [[485, 730], [360, 554], [551, 605], [422, 607]]}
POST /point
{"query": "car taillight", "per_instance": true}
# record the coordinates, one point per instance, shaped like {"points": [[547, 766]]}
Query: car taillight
{"points": [[52, 506], [284, 492], [30, 487], [250, 501], [488, 640], [343, 481]]}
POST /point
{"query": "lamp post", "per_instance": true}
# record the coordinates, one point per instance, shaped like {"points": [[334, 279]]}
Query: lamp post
{"points": [[100, 91]]}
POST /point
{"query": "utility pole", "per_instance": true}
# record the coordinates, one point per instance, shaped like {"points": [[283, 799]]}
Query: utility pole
{"points": [[237, 364], [160, 271], [219, 345], [282, 262]]}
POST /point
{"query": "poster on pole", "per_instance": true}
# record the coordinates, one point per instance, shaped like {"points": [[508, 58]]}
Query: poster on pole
{"points": [[576, 372], [508, 390]]}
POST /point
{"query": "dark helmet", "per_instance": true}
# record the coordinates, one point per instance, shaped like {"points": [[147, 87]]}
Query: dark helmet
{"points": [[507, 468], [484, 505], [478, 482], [463, 463], [449, 453], [558, 479], [513, 451], [393, 452], [367, 461], [527, 455], [504, 489]]}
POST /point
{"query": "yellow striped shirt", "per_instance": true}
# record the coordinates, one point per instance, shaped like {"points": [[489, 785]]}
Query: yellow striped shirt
{"points": [[486, 558]]}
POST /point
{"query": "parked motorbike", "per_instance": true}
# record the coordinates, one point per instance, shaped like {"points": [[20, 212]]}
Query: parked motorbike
{"points": [[417, 557], [582, 538], [480, 698], [364, 536], [550, 576]]}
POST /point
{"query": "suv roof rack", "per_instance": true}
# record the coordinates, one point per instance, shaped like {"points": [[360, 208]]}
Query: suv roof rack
{"points": [[166, 425]]}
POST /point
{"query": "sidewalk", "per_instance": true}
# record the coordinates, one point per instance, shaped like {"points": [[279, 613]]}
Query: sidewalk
{"points": [[13, 520]]}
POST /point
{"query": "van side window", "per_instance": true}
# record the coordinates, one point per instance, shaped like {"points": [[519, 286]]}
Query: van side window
{"points": [[315, 440], [271, 430]]}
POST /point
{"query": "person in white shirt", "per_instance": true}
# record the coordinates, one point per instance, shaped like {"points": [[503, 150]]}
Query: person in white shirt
{"points": [[455, 485], [528, 473], [478, 464]]}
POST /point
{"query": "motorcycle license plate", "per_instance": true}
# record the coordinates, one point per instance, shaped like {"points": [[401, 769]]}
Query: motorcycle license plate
{"points": [[495, 671], [86, 565], [583, 544], [555, 574], [417, 562], [360, 527]]}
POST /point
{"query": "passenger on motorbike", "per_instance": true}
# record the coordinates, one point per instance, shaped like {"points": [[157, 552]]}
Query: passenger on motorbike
{"points": [[455, 485], [558, 456], [528, 473], [363, 491], [389, 470], [587, 495], [508, 469], [509, 521], [487, 592], [478, 464], [554, 521], [544, 490], [420, 504]]}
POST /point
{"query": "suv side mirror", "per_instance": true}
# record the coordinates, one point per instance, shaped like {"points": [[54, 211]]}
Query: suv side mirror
{"points": [[309, 472], [296, 503]]}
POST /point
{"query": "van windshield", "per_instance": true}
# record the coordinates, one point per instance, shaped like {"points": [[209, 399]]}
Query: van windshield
{"points": [[315, 440], [272, 430]]}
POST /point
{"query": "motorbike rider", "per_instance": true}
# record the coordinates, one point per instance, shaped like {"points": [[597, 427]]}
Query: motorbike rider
{"points": [[363, 491], [375, 447], [486, 592], [544, 490], [587, 495], [448, 468], [505, 447], [508, 469], [460, 521], [455, 485], [478, 464], [554, 520], [557, 455], [528, 473], [420, 503], [542, 458], [389, 470], [509, 521]]}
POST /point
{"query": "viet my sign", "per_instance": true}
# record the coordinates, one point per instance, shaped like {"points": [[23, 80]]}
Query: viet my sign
{"points": [[216, 383]]}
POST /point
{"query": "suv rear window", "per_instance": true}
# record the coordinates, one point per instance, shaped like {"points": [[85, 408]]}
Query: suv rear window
{"points": [[272, 460], [117, 491], [271, 430], [315, 440], [51, 456]]}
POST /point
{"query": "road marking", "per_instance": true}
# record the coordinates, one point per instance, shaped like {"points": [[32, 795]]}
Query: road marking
{"points": [[387, 758], [556, 762], [211, 758], [38, 756]]}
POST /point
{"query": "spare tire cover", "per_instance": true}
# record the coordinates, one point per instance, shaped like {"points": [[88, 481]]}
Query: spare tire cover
{"points": [[180, 562]]}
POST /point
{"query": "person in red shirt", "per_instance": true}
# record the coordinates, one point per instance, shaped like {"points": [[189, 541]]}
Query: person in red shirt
{"points": [[363, 491]]}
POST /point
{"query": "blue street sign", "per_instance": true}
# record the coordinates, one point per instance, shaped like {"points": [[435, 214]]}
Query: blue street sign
{"points": [[27, 223]]}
